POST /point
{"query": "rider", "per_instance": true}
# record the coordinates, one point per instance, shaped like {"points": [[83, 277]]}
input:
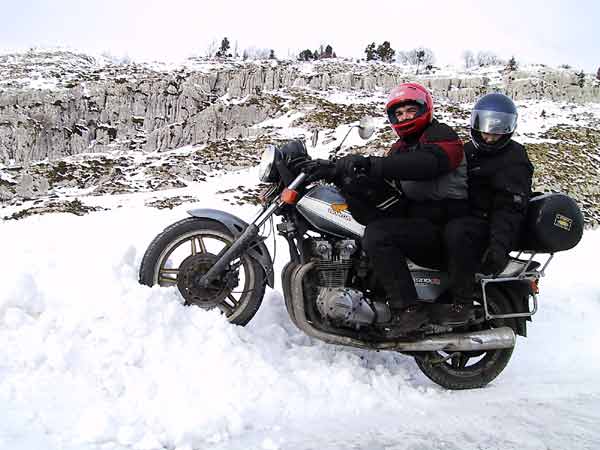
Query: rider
{"points": [[406, 197], [499, 174]]}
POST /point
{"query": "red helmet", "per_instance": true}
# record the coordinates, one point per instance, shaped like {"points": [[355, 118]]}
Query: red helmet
{"points": [[410, 93]]}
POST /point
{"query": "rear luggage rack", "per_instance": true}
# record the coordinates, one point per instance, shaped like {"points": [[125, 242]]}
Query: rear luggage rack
{"points": [[516, 270]]}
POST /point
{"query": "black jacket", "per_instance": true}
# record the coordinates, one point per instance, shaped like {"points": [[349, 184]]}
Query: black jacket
{"points": [[499, 189], [420, 177]]}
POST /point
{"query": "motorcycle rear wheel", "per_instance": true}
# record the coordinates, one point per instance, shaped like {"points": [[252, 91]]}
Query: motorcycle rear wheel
{"points": [[470, 370], [188, 248]]}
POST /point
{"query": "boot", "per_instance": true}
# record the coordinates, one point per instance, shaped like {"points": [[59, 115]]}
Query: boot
{"points": [[409, 318], [452, 314]]}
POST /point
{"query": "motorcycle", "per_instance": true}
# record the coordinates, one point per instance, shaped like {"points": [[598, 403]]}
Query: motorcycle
{"points": [[216, 260]]}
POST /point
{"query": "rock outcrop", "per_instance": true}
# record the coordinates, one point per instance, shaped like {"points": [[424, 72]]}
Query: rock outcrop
{"points": [[59, 104], [72, 124]]}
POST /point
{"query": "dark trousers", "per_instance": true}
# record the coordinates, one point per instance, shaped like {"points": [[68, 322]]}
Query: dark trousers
{"points": [[465, 240], [389, 242]]}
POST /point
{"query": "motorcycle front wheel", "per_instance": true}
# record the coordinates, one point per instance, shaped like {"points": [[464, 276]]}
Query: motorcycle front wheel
{"points": [[470, 370], [184, 251]]}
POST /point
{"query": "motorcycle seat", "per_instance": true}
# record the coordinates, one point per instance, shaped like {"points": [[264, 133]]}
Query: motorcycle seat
{"points": [[414, 267], [513, 268]]}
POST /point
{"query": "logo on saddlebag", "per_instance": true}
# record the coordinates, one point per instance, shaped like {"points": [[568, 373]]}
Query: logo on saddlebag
{"points": [[563, 222]]}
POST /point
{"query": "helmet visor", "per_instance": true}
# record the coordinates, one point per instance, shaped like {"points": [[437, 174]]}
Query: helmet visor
{"points": [[493, 122]]}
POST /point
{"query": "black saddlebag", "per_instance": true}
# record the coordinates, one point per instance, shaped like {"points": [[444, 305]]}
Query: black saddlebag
{"points": [[554, 223]]}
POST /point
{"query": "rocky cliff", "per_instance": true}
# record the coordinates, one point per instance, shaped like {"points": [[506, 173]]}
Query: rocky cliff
{"points": [[70, 123], [58, 104]]}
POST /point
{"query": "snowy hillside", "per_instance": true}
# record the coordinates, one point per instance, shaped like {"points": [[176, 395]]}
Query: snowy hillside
{"points": [[72, 123], [91, 360]]}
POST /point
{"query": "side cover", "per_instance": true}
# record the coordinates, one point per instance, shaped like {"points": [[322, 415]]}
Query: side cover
{"points": [[236, 226]]}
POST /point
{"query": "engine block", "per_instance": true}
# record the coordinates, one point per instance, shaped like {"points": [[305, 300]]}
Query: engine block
{"points": [[334, 262], [345, 305]]}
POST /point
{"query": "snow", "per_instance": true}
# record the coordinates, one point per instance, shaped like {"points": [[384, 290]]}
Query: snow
{"points": [[93, 360]]}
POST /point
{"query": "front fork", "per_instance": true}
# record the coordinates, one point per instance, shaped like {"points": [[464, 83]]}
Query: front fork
{"points": [[248, 236]]}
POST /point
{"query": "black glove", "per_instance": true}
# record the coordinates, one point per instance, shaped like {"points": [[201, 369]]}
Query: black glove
{"points": [[494, 259], [352, 166], [318, 169]]}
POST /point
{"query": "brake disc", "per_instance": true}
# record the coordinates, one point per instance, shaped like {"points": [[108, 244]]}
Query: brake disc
{"points": [[191, 271]]}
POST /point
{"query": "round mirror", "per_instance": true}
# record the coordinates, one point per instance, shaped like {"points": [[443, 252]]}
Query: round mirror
{"points": [[366, 127]]}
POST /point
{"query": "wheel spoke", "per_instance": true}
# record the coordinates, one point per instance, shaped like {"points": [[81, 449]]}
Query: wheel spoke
{"points": [[459, 361], [198, 246], [455, 361], [202, 246], [225, 308], [166, 280]]}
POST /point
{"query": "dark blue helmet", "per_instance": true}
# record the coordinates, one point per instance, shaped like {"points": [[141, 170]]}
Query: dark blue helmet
{"points": [[493, 114]]}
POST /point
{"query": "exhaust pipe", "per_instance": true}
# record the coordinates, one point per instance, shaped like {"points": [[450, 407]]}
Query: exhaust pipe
{"points": [[497, 338], [503, 337]]}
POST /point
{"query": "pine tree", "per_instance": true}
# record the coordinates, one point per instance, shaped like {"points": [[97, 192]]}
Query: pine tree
{"points": [[512, 64], [305, 55], [370, 52], [386, 52], [224, 48], [420, 55], [272, 54], [580, 78], [328, 51]]}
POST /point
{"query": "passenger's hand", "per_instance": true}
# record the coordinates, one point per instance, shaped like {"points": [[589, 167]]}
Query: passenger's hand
{"points": [[494, 260]]}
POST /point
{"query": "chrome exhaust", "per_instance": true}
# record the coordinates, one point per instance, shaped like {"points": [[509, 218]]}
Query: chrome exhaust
{"points": [[497, 338]]}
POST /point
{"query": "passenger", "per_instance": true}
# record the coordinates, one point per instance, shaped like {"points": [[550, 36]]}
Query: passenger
{"points": [[499, 175]]}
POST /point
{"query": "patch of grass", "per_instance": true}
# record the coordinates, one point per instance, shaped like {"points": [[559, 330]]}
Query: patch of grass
{"points": [[569, 168], [72, 207], [325, 114], [580, 135], [80, 174], [170, 202]]}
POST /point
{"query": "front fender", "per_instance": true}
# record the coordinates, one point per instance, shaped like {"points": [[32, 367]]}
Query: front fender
{"points": [[236, 226]]}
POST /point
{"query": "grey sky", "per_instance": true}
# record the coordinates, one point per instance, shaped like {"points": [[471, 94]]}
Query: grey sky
{"points": [[551, 32]]}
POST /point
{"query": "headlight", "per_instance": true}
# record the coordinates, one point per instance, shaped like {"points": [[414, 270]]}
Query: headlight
{"points": [[266, 168]]}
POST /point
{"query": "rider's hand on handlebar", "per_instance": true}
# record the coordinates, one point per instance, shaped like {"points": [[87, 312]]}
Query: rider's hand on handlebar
{"points": [[350, 166], [318, 169]]}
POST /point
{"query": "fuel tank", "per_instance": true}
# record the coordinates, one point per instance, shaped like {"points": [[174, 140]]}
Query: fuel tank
{"points": [[326, 209]]}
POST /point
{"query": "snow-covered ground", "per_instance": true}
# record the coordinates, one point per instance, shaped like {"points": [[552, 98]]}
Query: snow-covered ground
{"points": [[92, 360]]}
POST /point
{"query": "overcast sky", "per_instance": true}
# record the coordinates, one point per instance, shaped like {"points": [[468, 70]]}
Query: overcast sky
{"points": [[551, 31]]}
